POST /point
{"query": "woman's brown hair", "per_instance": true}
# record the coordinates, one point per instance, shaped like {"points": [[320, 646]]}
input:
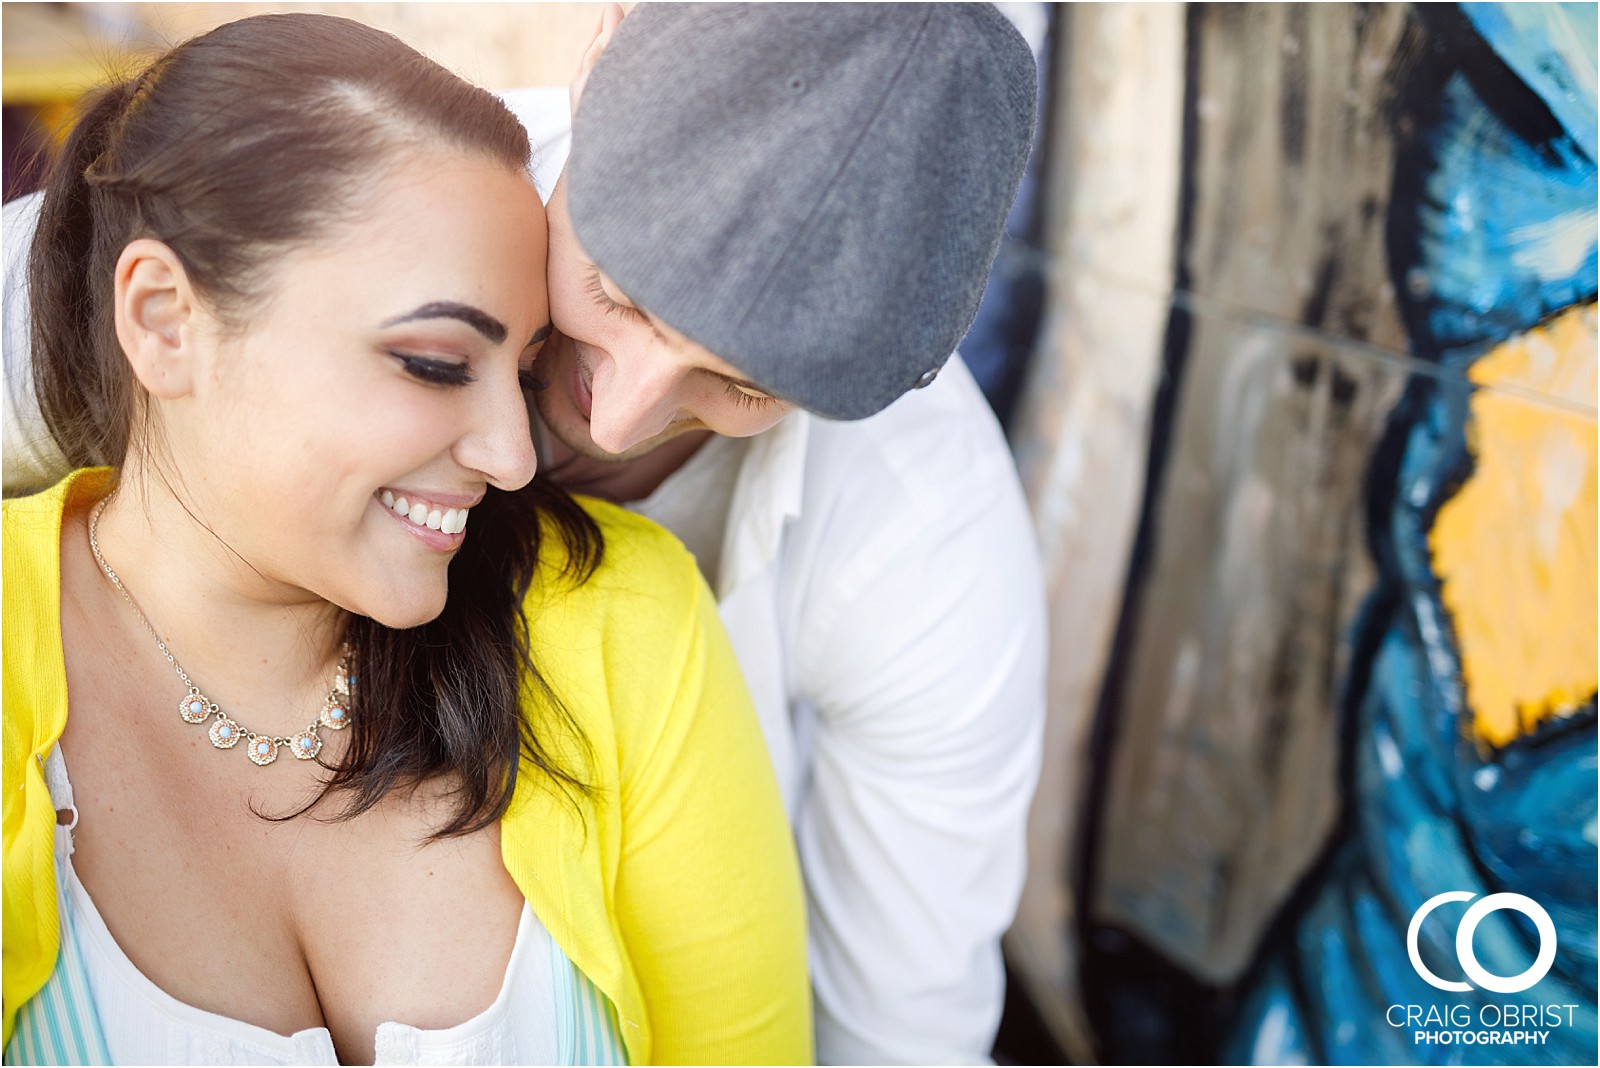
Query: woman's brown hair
{"points": [[233, 148]]}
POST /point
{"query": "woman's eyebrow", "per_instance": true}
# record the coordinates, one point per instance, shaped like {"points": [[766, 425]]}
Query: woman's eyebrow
{"points": [[540, 334], [481, 321]]}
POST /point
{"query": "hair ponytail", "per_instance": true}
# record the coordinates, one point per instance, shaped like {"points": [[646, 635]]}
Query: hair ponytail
{"points": [[85, 388]]}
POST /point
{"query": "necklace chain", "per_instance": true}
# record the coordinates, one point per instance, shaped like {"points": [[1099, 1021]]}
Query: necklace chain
{"points": [[196, 708]]}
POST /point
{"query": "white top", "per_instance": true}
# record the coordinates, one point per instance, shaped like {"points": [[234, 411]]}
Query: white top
{"points": [[143, 1024], [881, 585]]}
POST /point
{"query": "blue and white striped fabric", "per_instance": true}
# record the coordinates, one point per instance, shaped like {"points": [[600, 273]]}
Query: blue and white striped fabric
{"points": [[58, 1025], [590, 1034]]}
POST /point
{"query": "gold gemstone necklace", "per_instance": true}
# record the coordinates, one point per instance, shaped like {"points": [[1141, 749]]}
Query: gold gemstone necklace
{"points": [[196, 707]]}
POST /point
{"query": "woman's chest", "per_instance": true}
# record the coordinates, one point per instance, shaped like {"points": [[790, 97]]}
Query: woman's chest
{"points": [[289, 925]]}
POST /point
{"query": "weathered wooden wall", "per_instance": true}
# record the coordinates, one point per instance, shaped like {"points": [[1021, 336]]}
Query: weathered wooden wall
{"points": [[1083, 425], [1226, 439], [1221, 788]]}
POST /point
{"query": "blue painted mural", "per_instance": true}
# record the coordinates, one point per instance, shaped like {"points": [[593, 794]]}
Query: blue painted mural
{"points": [[1339, 753], [1469, 765]]}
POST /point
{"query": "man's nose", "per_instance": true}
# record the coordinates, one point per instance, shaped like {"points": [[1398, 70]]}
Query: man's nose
{"points": [[633, 401]]}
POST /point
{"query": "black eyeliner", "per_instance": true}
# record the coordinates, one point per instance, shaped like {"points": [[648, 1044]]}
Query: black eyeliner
{"points": [[434, 372]]}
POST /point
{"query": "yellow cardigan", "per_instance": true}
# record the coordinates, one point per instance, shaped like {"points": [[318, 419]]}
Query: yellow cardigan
{"points": [[674, 888]]}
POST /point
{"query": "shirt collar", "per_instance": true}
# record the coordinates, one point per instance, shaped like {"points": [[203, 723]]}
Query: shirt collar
{"points": [[768, 496]]}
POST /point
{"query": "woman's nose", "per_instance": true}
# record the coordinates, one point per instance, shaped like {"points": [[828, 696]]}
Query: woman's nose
{"points": [[500, 445]]}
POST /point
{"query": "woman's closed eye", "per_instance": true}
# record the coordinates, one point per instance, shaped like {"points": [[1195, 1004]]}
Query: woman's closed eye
{"points": [[434, 372]]}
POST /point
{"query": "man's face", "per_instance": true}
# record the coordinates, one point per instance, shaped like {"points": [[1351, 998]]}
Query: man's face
{"points": [[620, 381]]}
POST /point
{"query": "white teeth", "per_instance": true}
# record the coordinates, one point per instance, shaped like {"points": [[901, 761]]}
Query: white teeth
{"points": [[444, 520]]}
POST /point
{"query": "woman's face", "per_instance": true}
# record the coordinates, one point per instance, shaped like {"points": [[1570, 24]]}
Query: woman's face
{"points": [[381, 373]]}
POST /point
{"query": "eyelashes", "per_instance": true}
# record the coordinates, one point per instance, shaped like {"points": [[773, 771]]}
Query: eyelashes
{"points": [[434, 372], [597, 293], [747, 400], [444, 373]]}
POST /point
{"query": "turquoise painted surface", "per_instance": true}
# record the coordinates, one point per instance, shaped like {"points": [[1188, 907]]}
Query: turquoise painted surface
{"points": [[1492, 230]]}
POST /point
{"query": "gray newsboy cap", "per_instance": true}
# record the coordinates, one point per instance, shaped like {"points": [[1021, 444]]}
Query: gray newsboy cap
{"points": [[814, 192]]}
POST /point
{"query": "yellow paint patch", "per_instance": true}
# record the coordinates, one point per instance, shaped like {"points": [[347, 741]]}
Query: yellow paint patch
{"points": [[1515, 547]]}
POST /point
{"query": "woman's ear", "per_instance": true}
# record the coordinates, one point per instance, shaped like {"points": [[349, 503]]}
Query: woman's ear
{"points": [[156, 315]]}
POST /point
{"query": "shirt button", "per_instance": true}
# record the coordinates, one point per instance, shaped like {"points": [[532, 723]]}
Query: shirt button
{"points": [[926, 379]]}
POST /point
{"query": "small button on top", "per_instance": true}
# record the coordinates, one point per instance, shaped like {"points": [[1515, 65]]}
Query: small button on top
{"points": [[926, 379]]}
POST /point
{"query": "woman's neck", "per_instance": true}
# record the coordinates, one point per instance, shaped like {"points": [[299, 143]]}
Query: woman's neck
{"points": [[262, 650]]}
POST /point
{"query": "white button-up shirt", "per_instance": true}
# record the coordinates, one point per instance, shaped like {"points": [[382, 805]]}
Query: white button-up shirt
{"points": [[881, 585]]}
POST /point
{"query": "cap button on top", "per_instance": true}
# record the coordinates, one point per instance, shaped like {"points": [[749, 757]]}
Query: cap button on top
{"points": [[926, 379]]}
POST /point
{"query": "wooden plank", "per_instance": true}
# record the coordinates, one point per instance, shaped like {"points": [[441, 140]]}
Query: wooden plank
{"points": [[1081, 432], [1222, 787]]}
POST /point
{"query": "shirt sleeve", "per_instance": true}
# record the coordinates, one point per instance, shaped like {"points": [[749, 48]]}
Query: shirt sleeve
{"points": [[708, 885], [922, 653], [31, 459]]}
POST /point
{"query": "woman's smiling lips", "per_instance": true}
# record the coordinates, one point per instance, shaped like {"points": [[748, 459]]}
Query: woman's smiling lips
{"points": [[438, 519]]}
